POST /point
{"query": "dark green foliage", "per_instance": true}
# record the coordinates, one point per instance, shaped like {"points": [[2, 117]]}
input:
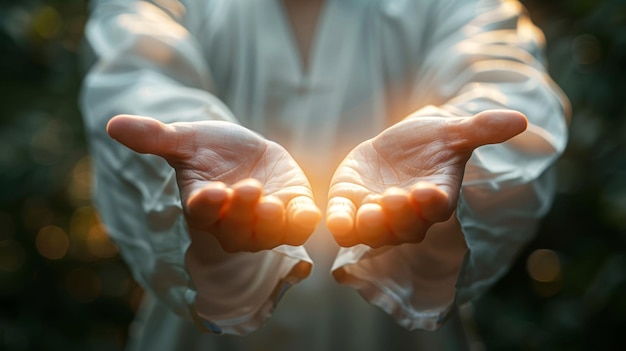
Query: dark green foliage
{"points": [[585, 307]]}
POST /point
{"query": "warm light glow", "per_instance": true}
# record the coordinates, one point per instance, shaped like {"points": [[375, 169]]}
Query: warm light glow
{"points": [[83, 219], [52, 242], [99, 244], [47, 22], [81, 222], [80, 181], [88, 235], [544, 266]]}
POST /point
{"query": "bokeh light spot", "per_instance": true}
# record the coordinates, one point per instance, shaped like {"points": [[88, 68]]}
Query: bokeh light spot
{"points": [[47, 22], [587, 49], [52, 242], [81, 222], [99, 244], [80, 181], [544, 266]]}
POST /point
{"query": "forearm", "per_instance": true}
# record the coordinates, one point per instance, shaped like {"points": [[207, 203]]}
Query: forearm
{"points": [[506, 187], [483, 55], [147, 64], [489, 55]]}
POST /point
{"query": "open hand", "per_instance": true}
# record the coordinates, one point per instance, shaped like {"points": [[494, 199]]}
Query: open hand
{"points": [[390, 189], [246, 191]]}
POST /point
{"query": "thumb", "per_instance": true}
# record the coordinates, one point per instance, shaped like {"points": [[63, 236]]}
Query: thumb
{"points": [[147, 135], [491, 127]]}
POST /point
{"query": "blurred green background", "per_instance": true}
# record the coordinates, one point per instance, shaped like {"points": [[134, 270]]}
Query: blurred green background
{"points": [[64, 287]]}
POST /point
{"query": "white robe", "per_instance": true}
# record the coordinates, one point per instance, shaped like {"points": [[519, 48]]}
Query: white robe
{"points": [[372, 63]]}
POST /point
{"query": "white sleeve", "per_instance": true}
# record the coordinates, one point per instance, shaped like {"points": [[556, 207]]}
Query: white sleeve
{"points": [[147, 63], [483, 55]]}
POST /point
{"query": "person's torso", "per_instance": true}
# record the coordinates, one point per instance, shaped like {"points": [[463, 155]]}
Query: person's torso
{"points": [[361, 67], [362, 60]]}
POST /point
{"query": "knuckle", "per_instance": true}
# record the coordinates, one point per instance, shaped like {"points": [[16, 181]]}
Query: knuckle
{"points": [[229, 247], [345, 242]]}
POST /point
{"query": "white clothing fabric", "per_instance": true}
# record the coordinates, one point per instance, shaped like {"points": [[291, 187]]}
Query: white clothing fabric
{"points": [[372, 63]]}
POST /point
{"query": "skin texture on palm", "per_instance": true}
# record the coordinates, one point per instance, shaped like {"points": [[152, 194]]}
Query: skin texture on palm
{"points": [[244, 190], [392, 188]]}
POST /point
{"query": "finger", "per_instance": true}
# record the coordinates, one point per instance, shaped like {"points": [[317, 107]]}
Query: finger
{"points": [[490, 127], [302, 218], [355, 193], [432, 202], [340, 219], [236, 225], [270, 223], [401, 216], [246, 194], [149, 136], [371, 228], [204, 207]]}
